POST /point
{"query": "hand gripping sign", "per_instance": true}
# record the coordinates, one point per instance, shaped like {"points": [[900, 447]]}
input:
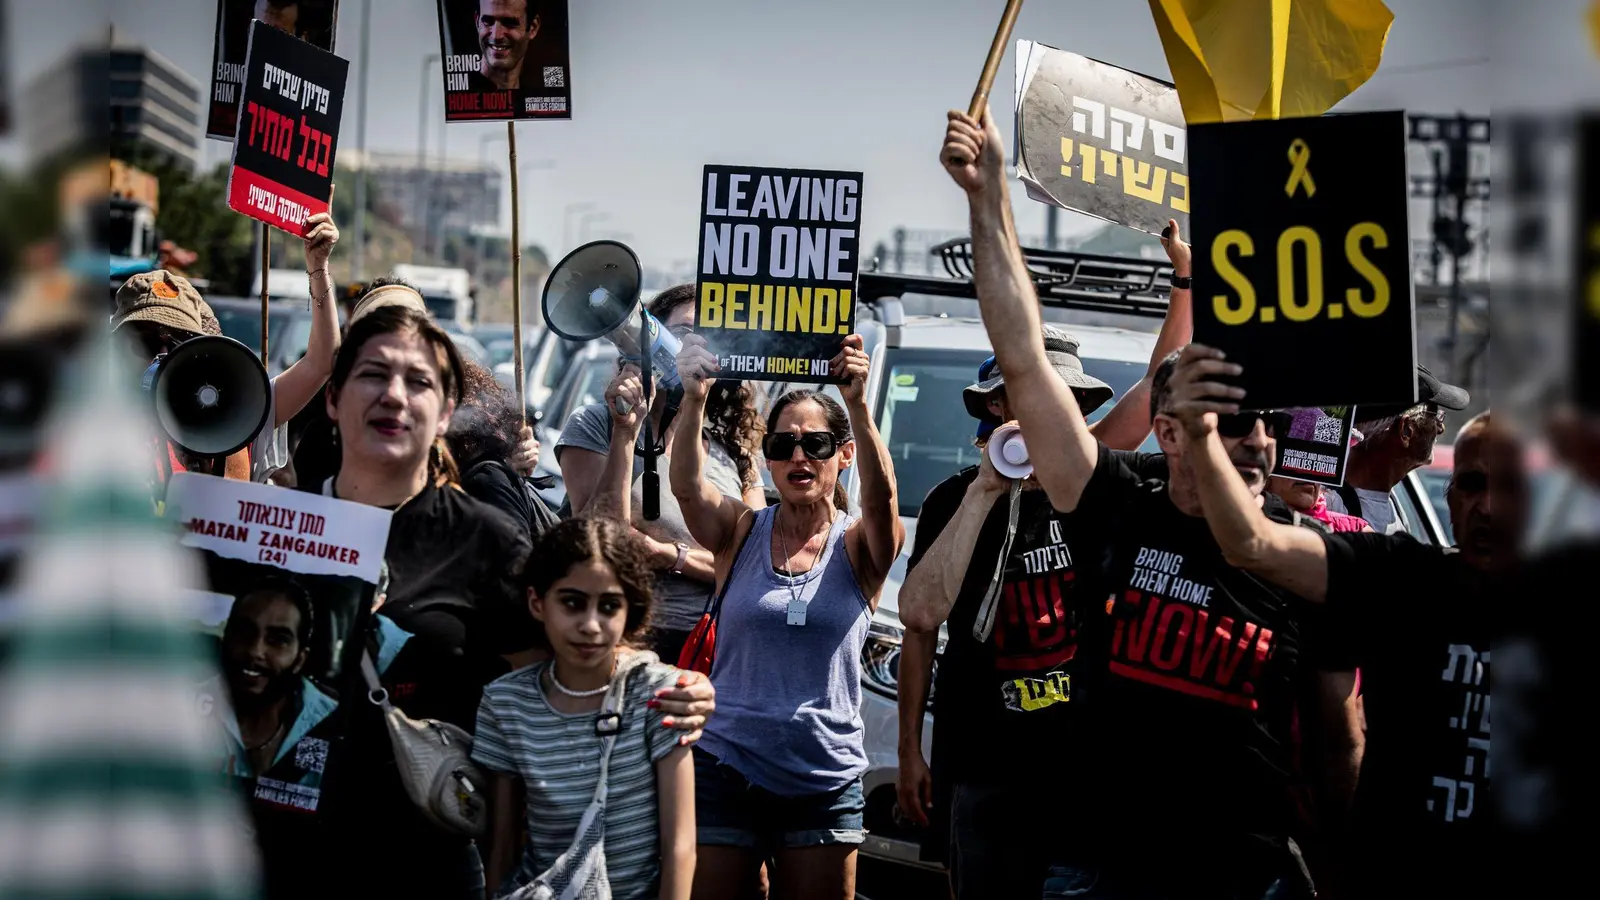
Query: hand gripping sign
{"points": [[779, 254], [288, 130], [1302, 253]]}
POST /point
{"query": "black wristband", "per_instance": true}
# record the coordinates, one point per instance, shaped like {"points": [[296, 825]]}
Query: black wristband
{"points": [[1182, 282]]}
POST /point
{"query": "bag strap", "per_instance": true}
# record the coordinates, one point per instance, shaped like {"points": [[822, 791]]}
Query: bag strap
{"points": [[983, 625], [376, 692]]}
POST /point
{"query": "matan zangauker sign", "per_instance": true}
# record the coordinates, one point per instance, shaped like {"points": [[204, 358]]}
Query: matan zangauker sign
{"points": [[288, 133]]}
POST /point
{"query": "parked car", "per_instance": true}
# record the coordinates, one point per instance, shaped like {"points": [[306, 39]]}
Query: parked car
{"points": [[469, 347], [590, 368], [926, 343], [288, 328]]}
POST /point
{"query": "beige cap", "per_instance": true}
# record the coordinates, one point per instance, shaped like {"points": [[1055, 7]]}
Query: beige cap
{"points": [[163, 298], [387, 295]]}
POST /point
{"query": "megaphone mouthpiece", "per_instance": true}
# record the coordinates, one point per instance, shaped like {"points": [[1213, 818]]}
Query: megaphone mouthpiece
{"points": [[1009, 453]]}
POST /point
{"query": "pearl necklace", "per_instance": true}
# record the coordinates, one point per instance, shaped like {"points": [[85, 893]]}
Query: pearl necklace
{"points": [[572, 693]]}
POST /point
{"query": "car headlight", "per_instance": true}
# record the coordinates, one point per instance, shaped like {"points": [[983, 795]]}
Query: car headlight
{"points": [[880, 660]]}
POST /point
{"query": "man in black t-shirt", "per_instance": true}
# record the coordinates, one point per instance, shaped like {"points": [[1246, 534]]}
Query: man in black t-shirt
{"points": [[1005, 678], [1415, 619], [1179, 782]]}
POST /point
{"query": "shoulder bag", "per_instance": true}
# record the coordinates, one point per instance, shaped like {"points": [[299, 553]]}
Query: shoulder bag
{"points": [[435, 763], [700, 649]]}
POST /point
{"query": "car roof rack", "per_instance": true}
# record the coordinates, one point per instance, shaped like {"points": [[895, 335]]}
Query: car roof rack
{"points": [[1062, 279]]}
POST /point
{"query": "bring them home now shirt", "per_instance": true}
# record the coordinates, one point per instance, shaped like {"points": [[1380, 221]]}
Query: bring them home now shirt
{"points": [[1186, 686]]}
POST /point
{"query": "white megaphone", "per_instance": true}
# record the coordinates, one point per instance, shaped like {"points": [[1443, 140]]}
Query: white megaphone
{"points": [[211, 395], [1008, 453], [594, 292]]}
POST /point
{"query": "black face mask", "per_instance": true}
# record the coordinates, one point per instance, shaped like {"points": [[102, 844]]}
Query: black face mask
{"points": [[814, 444]]}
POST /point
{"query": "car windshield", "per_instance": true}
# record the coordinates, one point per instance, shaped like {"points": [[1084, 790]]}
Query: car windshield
{"points": [[926, 427], [243, 324], [590, 384], [501, 350], [443, 309]]}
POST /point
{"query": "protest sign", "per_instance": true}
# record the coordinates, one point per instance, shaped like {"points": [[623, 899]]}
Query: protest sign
{"points": [[288, 575], [1100, 140], [313, 21], [1317, 445], [1586, 349], [1301, 246], [289, 132], [505, 59], [779, 253]]}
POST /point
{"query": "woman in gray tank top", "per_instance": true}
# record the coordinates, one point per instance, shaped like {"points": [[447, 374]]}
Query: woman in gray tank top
{"points": [[778, 770]]}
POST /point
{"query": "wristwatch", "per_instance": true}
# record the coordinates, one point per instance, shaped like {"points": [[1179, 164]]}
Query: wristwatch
{"points": [[1181, 282], [683, 556]]}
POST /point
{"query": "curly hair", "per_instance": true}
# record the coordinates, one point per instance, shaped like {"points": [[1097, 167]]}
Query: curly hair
{"points": [[487, 424], [594, 538], [731, 416]]}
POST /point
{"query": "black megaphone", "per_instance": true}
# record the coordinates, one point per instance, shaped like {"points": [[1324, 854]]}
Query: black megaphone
{"points": [[211, 395]]}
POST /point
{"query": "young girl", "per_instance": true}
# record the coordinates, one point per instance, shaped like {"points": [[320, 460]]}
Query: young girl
{"points": [[536, 737]]}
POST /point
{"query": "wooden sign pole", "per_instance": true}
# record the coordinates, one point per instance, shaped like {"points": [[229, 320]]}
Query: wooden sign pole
{"points": [[516, 275], [266, 266], [997, 49]]}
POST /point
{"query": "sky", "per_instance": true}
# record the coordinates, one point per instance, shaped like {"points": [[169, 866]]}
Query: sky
{"points": [[661, 89]]}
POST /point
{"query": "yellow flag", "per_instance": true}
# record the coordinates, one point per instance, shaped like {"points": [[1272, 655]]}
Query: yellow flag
{"points": [[1594, 25], [1265, 59]]}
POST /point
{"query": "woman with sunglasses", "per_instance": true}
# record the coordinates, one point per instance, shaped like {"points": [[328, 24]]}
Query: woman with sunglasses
{"points": [[778, 772]]}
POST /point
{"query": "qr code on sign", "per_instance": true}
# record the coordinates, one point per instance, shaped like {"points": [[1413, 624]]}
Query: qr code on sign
{"points": [[555, 76], [311, 754], [1328, 430]]}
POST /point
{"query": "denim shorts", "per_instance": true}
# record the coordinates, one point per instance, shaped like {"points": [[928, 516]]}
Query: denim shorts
{"points": [[732, 812]]}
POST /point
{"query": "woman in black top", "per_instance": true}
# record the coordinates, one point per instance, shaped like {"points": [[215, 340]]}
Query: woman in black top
{"points": [[455, 571]]}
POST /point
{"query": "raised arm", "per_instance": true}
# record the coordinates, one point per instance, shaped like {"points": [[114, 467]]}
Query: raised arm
{"points": [[930, 588], [1041, 401], [879, 532], [1293, 558], [296, 385], [710, 516], [1128, 423], [1335, 745]]}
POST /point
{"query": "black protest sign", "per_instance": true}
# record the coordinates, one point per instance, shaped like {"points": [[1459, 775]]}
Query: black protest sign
{"points": [[779, 251], [1317, 445], [289, 131], [313, 21], [1101, 140], [505, 59], [1586, 348], [1301, 247]]}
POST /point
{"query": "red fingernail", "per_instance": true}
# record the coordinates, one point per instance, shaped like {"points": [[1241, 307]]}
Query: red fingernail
{"points": [[667, 722], [653, 704], [683, 741]]}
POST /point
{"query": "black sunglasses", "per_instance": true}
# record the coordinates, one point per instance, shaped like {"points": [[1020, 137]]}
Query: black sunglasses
{"points": [[815, 445], [1240, 424]]}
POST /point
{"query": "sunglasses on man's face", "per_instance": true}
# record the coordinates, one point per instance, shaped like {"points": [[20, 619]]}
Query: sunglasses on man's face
{"points": [[814, 444], [1240, 424]]}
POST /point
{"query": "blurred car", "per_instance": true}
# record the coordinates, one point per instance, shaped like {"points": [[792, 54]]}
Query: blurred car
{"points": [[288, 328], [470, 349], [590, 369]]}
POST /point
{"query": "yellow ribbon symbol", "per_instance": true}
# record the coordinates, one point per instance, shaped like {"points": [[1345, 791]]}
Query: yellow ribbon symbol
{"points": [[1299, 155]]}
